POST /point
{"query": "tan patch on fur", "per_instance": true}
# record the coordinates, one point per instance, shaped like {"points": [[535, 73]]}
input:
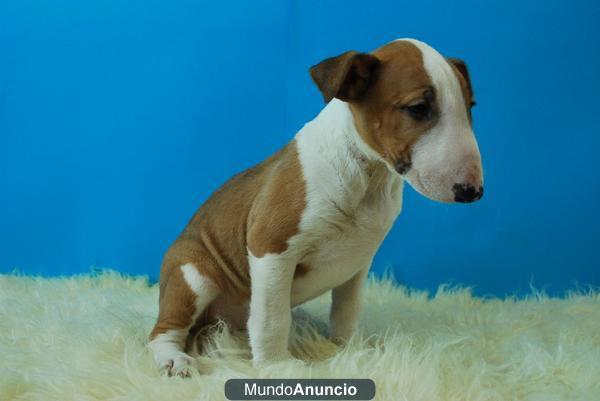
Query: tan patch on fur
{"points": [[275, 216], [258, 209], [401, 79]]}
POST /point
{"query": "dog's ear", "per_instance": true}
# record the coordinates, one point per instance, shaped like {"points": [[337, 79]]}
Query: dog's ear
{"points": [[346, 76], [461, 66]]}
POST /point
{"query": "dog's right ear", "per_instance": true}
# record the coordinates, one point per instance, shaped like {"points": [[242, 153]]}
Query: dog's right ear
{"points": [[346, 76], [461, 66]]}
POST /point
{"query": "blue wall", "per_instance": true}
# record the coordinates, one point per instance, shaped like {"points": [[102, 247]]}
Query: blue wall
{"points": [[117, 119]]}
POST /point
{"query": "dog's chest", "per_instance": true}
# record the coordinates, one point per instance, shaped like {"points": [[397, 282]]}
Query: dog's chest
{"points": [[344, 242]]}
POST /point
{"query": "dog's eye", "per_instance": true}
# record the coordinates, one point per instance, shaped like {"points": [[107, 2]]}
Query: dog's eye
{"points": [[419, 111], [473, 103]]}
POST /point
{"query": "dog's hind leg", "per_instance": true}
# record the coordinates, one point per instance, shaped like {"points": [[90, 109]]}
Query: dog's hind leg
{"points": [[184, 294]]}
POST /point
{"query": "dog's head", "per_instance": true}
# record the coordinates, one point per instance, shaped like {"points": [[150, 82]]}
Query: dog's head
{"points": [[412, 108]]}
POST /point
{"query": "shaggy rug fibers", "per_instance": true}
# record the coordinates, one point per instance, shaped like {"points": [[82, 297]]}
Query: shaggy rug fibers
{"points": [[83, 338]]}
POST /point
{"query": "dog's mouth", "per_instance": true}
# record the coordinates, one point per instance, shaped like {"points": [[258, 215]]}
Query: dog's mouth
{"points": [[423, 186]]}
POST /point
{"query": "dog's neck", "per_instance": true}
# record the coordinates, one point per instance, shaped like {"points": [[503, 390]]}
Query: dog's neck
{"points": [[333, 149]]}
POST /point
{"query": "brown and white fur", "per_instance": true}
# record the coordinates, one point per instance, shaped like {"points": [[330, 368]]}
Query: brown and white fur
{"points": [[310, 218]]}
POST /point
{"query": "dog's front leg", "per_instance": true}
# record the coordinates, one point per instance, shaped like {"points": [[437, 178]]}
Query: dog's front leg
{"points": [[345, 307], [270, 307]]}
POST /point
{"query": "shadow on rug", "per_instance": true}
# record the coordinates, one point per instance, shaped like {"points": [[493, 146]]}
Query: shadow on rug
{"points": [[83, 338]]}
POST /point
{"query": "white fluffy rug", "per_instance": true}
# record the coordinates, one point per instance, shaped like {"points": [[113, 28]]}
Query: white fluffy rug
{"points": [[82, 338]]}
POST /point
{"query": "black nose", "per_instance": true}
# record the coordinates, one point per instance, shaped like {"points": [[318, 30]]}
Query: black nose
{"points": [[466, 193]]}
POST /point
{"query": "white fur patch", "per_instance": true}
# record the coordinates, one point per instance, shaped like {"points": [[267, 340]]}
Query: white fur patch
{"points": [[448, 153], [205, 290], [270, 309], [348, 211]]}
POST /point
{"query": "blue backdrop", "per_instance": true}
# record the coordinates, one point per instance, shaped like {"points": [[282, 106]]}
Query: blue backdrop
{"points": [[117, 119]]}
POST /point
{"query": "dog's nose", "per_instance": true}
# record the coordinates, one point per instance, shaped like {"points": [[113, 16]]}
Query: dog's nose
{"points": [[466, 193]]}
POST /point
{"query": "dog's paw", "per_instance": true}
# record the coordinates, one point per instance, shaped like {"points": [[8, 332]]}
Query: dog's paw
{"points": [[179, 364]]}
